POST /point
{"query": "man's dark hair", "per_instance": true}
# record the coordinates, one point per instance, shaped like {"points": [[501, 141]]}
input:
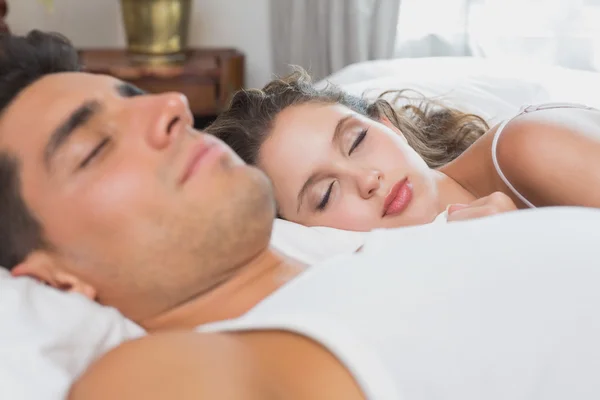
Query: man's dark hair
{"points": [[24, 60]]}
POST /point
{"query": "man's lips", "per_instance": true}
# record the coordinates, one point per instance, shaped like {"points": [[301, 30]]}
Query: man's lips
{"points": [[398, 198], [199, 155]]}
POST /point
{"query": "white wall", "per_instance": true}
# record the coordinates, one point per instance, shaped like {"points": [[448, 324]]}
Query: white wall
{"points": [[243, 24]]}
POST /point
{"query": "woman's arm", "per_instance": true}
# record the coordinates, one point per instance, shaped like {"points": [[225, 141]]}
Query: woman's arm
{"points": [[553, 157], [186, 365]]}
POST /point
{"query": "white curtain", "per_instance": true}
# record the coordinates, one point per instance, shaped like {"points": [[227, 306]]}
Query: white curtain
{"points": [[429, 28], [324, 36], [556, 32]]}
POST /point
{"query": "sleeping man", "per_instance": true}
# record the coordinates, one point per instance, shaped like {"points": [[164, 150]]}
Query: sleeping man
{"points": [[109, 192]]}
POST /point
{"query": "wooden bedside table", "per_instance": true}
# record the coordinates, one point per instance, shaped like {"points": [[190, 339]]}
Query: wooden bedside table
{"points": [[3, 12], [208, 77]]}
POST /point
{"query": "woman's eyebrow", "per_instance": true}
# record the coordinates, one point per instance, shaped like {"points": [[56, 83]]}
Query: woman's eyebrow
{"points": [[337, 136], [309, 182], [339, 128]]}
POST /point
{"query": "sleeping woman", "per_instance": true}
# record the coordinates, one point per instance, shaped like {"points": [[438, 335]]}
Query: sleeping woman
{"points": [[346, 162]]}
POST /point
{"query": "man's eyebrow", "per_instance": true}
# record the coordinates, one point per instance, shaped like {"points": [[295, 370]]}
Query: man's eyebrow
{"points": [[61, 135], [337, 135], [128, 90]]}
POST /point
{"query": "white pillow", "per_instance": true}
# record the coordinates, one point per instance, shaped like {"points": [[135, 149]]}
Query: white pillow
{"points": [[310, 245], [517, 83], [47, 337], [491, 89], [315, 244]]}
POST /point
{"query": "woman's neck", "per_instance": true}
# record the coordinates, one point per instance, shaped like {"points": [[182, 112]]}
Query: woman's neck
{"points": [[474, 170], [451, 191]]}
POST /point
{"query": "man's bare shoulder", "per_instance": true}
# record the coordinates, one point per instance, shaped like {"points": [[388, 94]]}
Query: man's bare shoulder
{"points": [[173, 365]]}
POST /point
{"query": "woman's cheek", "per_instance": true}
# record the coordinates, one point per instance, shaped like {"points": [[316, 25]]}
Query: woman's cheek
{"points": [[355, 214], [390, 155]]}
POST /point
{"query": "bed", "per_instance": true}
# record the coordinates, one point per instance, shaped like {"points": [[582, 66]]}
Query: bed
{"points": [[47, 338]]}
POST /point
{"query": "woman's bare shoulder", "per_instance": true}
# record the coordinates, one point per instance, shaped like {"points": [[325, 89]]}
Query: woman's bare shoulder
{"points": [[527, 146], [536, 137], [541, 151]]}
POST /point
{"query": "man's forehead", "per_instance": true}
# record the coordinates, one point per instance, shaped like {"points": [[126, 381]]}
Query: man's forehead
{"points": [[48, 101], [60, 87]]}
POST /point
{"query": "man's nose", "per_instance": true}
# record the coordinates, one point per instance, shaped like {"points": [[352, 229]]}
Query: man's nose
{"points": [[160, 117]]}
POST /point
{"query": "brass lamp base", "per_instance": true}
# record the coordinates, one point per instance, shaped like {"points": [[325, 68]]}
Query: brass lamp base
{"points": [[157, 30], [157, 59]]}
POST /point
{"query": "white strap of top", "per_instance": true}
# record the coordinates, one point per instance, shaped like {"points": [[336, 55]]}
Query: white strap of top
{"points": [[524, 110]]}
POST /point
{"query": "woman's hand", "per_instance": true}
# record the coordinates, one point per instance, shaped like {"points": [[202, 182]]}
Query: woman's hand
{"points": [[495, 203]]}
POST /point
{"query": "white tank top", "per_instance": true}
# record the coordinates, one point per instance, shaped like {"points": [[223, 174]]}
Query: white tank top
{"points": [[437, 312], [524, 110]]}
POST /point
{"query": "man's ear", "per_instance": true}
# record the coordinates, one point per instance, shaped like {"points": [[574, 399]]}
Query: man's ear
{"points": [[42, 267], [386, 121]]}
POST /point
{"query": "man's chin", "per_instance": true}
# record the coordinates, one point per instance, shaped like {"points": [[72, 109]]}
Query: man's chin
{"points": [[251, 193]]}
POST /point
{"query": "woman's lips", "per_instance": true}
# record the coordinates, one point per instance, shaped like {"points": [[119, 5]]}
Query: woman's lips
{"points": [[398, 198]]}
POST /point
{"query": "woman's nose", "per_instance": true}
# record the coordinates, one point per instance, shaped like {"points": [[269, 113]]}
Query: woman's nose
{"points": [[369, 182]]}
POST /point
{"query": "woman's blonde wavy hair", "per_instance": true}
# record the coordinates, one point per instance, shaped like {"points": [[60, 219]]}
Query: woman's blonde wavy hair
{"points": [[438, 133]]}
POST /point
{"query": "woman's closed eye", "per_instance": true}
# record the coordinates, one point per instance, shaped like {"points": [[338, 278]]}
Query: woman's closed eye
{"points": [[359, 139], [327, 196], [95, 152], [325, 199]]}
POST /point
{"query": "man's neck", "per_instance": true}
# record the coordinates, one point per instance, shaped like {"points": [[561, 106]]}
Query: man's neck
{"points": [[260, 277]]}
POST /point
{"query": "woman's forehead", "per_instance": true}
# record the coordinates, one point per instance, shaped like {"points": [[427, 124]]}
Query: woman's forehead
{"points": [[298, 134], [299, 145], [312, 113]]}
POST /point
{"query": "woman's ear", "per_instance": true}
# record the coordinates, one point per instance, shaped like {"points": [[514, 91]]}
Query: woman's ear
{"points": [[40, 266], [386, 121]]}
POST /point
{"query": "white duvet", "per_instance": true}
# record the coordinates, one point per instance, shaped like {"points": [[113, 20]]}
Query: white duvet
{"points": [[47, 338]]}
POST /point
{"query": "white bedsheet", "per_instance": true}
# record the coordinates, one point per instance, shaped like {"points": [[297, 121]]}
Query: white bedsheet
{"points": [[47, 338]]}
